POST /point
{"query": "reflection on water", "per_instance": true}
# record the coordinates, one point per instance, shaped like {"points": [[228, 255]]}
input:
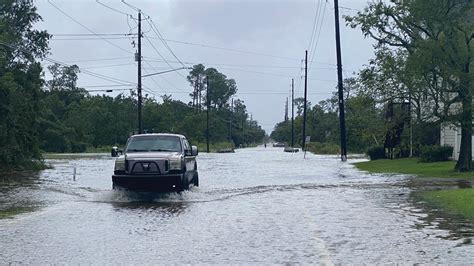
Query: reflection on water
{"points": [[254, 206], [15, 193]]}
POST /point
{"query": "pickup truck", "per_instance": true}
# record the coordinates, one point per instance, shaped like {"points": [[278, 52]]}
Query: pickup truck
{"points": [[156, 162]]}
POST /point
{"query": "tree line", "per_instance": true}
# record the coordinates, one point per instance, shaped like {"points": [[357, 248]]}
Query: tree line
{"points": [[56, 115], [367, 123]]}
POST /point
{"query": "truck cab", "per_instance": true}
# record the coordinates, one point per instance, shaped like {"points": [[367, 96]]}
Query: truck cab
{"points": [[156, 162]]}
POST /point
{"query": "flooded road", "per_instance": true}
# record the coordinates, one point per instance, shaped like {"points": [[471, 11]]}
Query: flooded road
{"points": [[254, 206]]}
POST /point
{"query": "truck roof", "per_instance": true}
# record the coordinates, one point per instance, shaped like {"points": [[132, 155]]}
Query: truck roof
{"points": [[159, 134]]}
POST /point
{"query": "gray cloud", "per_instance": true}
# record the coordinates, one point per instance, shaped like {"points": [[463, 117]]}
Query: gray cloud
{"points": [[281, 28]]}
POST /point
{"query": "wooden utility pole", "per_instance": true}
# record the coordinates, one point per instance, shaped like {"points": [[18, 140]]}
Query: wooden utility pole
{"points": [[292, 113], [342, 119], [207, 113], [230, 120], [305, 98], [139, 60]]}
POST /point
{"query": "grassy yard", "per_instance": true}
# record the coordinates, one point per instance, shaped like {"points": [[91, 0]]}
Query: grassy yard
{"points": [[412, 166], [456, 201]]}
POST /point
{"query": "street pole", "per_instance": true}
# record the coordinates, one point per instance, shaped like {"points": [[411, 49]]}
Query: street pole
{"points": [[230, 120], [342, 119], [139, 59], [292, 113], [305, 97], [207, 113]]}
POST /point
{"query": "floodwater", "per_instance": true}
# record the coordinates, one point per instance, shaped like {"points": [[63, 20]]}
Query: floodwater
{"points": [[259, 206]]}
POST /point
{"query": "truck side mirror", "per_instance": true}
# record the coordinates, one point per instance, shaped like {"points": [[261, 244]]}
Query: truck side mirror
{"points": [[114, 152], [194, 151]]}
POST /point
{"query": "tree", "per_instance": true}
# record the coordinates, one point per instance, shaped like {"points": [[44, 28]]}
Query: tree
{"points": [[196, 79], [221, 89], [20, 82], [438, 39], [299, 103]]}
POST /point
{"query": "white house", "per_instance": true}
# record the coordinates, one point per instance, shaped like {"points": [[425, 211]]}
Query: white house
{"points": [[451, 136]]}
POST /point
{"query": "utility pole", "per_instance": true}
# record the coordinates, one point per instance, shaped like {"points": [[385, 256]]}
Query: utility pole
{"points": [[305, 97], [230, 121], [292, 113], [138, 58], [286, 109], [207, 113], [410, 123], [342, 119]]}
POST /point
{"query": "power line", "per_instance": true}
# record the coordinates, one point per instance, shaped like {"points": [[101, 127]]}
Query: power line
{"points": [[109, 90], [107, 66], [111, 8], [231, 49], [272, 74], [260, 93], [319, 33], [160, 36], [153, 46], [85, 27], [156, 83], [91, 34], [102, 86], [100, 76], [132, 7], [158, 52], [238, 65], [315, 22], [155, 70], [97, 59], [90, 39]]}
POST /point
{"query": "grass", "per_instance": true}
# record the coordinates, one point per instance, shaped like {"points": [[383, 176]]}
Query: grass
{"points": [[412, 166], [213, 147], [456, 201], [9, 213]]}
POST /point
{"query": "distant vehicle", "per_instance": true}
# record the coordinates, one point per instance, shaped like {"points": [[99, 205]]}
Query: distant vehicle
{"points": [[279, 144], [156, 162]]}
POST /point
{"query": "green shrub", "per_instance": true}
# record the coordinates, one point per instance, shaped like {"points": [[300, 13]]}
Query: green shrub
{"points": [[435, 153], [376, 153]]}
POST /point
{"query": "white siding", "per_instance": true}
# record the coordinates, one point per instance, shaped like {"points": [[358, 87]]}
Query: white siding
{"points": [[451, 136]]}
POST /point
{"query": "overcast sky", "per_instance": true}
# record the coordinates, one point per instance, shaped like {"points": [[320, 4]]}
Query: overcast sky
{"points": [[263, 43]]}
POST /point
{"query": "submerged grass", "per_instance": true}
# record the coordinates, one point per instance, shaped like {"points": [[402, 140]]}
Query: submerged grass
{"points": [[456, 201], [11, 212], [414, 167]]}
